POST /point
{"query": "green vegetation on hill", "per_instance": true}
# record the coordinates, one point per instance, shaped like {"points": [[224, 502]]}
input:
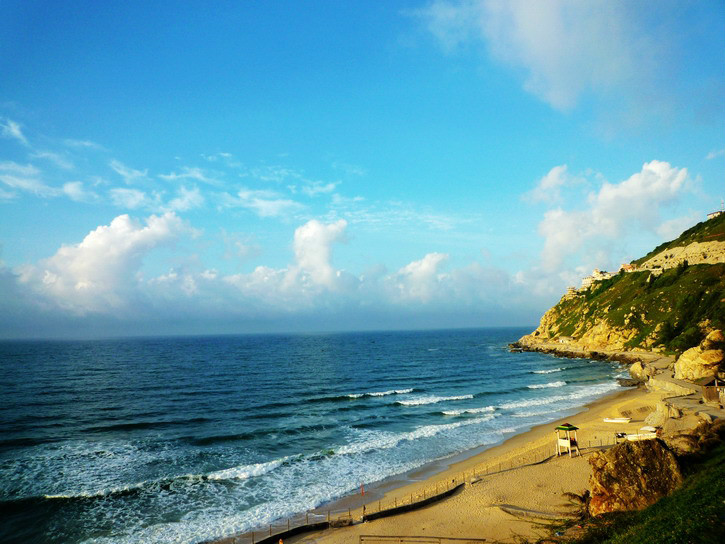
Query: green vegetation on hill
{"points": [[712, 230], [668, 310], [673, 310]]}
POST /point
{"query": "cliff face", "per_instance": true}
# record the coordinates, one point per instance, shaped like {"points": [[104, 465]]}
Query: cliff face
{"points": [[667, 303]]}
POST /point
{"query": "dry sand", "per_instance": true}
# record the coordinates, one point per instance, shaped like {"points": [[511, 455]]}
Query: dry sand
{"points": [[503, 504]]}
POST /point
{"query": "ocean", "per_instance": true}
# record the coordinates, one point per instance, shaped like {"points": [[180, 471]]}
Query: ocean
{"points": [[187, 439]]}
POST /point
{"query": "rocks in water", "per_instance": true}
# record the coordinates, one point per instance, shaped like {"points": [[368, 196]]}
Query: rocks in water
{"points": [[632, 476], [702, 361]]}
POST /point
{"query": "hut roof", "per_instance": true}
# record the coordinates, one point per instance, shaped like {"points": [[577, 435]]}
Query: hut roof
{"points": [[567, 427], [709, 381]]}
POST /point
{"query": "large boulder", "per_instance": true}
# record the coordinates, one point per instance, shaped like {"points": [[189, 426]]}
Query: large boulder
{"points": [[714, 340], [632, 476], [641, 371], [663, 412], [703, 361]]}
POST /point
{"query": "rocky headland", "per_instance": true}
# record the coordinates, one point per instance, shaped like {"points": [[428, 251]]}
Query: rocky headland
{"points": [[663, 315]]}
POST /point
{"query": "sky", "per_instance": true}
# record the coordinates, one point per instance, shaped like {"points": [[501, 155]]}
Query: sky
{"points": [[193, 167]]}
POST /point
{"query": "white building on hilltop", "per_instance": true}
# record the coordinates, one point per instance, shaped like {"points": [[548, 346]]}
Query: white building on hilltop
{"points": [[597, 275]]}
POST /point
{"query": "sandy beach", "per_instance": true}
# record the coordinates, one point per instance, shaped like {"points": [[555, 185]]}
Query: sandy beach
{"points": [[499, 503]]}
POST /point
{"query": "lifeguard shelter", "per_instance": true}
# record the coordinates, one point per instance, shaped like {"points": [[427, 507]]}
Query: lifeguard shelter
{"points": [[713, 390], [566, 441]]}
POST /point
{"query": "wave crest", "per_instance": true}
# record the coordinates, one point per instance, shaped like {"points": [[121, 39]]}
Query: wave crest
{"points": [[431, 400]]}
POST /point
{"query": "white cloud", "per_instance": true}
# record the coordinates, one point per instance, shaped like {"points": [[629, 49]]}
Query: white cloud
{"points": [[312, 245], [715, 154], [264, 203], [315, 188], [129, 175], [27, 170], [191, 173], [613, 211], [6, 195], [188, 199], [75, 191], [56, 158], [419, 280], [566, 49], [100, 274], [129, 198], [87, 144], [548, 188], [672, 228], [10, 129], [25, 178]]}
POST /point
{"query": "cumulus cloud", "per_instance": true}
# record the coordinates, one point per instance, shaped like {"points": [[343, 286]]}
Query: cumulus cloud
{"points": [[566, 49], [10, 129], [612, 211], [312, 246], [548, 188], [419, 280], [101, 273], [103, 278]]}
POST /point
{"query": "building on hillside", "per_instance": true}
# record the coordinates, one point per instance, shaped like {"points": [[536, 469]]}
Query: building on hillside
{"points": [[626, 267], [717, 213], [597, 275]]}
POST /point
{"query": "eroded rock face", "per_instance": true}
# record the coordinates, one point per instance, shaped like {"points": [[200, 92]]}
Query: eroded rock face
{"points": [[703, 361], [632, 476]]}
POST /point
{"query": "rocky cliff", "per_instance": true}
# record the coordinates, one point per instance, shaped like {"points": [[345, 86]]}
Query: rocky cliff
{"points": [[665, 304]]}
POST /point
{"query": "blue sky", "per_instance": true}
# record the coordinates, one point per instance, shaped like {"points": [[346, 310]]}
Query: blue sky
{"points": [[213, 167]]}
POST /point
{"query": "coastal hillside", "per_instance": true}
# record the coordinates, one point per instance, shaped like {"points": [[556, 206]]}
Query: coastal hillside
{"points": [[666, 301]]}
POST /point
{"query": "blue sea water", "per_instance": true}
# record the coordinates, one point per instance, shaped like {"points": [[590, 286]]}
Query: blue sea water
{"points": [[186, 439]]}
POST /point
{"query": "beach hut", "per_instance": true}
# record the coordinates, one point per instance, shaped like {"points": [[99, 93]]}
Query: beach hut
{"points": [[566, 440], [713, 390]]}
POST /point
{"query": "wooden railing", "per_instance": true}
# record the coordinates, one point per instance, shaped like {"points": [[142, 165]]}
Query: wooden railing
{"points": [[387, 539]]}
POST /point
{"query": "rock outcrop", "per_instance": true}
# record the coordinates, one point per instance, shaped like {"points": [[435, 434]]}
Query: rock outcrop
{"points": [[632, 476], [702, 361], [663, 411], [642, 371]]}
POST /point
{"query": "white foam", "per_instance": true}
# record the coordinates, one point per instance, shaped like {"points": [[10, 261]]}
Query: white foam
{"points": [[582, 392], [244, 472], [469, 411], [381, 440], [432, 400], [381, 393], [547, 385], [550, 371]]}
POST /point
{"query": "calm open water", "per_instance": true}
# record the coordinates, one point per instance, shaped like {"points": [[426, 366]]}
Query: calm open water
{"points": [[186, 439]]}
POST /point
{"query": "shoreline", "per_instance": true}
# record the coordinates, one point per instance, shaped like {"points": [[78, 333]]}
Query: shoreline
{"points": [[533, 444], [514, 450]]}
